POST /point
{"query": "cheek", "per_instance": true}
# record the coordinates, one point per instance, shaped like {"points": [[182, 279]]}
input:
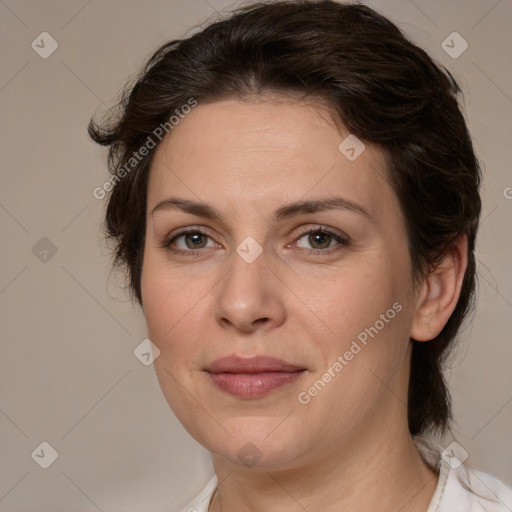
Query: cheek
{"points": [[363, 334], [353, 300], [370, 339], [166, 294], [176, 307], [172, 310], [155, 298], [363, 354], [164, 303]]}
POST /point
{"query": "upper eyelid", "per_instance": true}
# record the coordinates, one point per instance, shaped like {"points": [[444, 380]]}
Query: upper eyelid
{"points": [[310, 227], [339, 235]]}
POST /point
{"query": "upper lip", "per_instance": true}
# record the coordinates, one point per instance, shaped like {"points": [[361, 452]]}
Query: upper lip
{"points": [[256, 364]]}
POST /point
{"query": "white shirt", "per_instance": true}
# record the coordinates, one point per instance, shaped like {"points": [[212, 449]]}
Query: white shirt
{"points": [[451, 494]]}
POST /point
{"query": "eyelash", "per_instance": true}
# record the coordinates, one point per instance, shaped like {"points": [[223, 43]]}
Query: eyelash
{"points": [[342, 241]]}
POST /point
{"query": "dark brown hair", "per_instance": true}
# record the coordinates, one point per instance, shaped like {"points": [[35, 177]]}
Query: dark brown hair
{"points": [[381, 86]]}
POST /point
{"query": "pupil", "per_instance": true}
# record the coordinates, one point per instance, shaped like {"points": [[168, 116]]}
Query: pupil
{"points": [[194, 241], [314, 239]]}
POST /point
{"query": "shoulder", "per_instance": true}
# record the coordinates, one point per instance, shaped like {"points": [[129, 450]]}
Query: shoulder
{"points": [[201, 502], [460, 488], [469, 490]]}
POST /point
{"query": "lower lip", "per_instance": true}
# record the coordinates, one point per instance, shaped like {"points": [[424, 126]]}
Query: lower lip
{"points": [[251, 385]]}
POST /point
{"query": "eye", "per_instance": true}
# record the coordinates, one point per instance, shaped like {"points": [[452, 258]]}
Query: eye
{"points": [[193, 240], [189, 240], [322, 241]]}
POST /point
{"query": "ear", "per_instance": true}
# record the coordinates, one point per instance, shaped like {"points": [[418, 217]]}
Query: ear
{"points": [[440, 292]]}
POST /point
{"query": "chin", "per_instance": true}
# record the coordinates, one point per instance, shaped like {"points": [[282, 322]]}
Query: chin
{"points": [[252, 442]]}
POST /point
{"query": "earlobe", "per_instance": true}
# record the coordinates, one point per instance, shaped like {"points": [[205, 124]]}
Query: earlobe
{"points": [[440, 292]]}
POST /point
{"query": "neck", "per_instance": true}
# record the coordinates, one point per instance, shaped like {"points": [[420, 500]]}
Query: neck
{"points": [[380, 469]]}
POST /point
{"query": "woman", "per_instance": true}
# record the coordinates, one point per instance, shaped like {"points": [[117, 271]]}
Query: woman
{"points": [[296, 201]]}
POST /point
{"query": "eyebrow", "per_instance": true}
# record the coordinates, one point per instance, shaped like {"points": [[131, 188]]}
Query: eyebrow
{"points": [[207, 211]]}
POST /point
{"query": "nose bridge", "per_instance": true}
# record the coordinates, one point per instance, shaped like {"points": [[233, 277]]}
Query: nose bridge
{"points": [[247, 293], [247, 266]]}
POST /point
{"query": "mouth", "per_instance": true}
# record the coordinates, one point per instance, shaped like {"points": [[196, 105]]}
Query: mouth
{"points": [[252, 377]]}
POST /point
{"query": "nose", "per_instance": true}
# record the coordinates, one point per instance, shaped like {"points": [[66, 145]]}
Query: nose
{"points": [[250, 297]]}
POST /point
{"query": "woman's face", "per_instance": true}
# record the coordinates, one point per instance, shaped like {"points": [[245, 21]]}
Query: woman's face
{"points": [[334, 306]]}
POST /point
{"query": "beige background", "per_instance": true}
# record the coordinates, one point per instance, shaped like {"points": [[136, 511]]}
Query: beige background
{"points": [[68, 375]]}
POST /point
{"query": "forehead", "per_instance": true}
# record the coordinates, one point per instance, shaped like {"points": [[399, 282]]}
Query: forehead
{"points": [[234, 153]]}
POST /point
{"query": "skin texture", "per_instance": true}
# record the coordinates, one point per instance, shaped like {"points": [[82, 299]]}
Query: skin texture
{"points": [[349, 448]]}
